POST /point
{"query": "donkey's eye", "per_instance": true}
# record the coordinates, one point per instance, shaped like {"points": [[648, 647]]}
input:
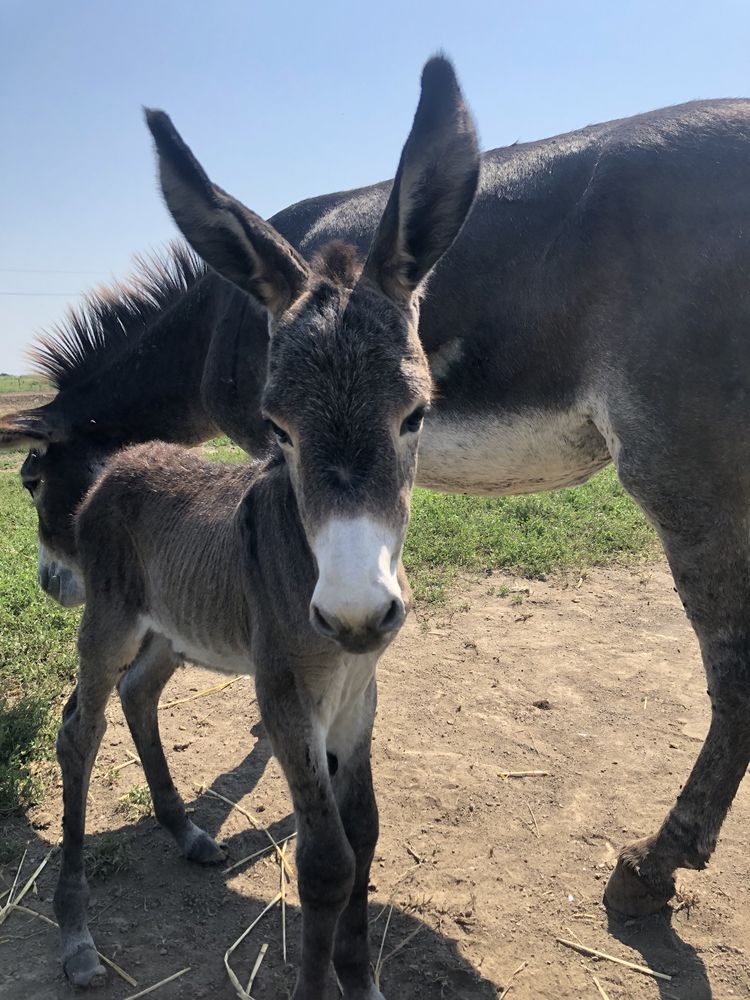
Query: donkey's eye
{"points": [[413, 422], [281, 435]]}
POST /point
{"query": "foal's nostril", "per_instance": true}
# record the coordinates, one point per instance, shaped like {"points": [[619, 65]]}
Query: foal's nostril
{"points": [[322, 624], [393, 617]]}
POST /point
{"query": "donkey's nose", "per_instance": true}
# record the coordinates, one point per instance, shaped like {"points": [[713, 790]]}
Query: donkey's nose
{"points": [[363, 635]]}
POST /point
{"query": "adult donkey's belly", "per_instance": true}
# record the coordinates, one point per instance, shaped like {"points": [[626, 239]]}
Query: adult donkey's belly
{"points": [[510, 453]]}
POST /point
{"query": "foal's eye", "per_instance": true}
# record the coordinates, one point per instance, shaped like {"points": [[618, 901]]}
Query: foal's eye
{"points": [[281, 435], [413, 422]]}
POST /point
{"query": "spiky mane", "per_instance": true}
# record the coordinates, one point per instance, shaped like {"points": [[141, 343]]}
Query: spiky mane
{"points": [[114, 317]]}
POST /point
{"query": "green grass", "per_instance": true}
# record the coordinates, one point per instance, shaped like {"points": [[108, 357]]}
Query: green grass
{"points": [[23, 383], [136, 803], [221, 449], [37, 654], [532, 536]]}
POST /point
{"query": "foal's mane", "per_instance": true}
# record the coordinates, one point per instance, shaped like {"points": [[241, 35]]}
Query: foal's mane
{"points": [[114, 317], [339, 263]]}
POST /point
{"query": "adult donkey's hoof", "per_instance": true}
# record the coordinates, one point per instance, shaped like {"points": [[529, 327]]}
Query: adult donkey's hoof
{"points": [[199, 847], [628, 892], [84, 969]]}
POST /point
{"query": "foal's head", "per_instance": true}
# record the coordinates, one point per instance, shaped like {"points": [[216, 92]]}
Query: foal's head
{"points": [[347, 383]]}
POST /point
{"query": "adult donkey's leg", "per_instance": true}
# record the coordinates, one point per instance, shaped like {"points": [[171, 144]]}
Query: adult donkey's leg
{"points": [[325, 860], [710, 561], [104, 651], [140, 689], [352, 784]]}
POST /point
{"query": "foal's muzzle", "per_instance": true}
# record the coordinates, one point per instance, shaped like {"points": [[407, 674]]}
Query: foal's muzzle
{"points": [[62, 583], [357, 600], [362, 637]]}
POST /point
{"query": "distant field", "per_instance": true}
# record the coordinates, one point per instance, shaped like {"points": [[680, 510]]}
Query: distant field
{"points": [[23, 383], [534, 536]]}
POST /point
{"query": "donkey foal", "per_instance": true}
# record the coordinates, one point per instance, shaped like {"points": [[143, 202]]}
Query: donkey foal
{"points": [[184, 558], [290, 568]]}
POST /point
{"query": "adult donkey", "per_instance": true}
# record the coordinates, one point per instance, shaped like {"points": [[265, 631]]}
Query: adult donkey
{"points": [[291, 567], [592, 309]]}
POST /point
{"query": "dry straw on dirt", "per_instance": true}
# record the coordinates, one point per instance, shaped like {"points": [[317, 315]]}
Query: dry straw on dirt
{"points": [[201, 694], [507, 989], [156, 986], [241, 992], [585, 950]]}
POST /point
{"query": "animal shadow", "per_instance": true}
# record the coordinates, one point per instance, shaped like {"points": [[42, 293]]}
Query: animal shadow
{"points": [[154, 913], [664, 950]]}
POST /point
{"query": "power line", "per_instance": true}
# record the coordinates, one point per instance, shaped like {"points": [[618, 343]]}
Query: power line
{"points": [[36, 270], [64, 295]]}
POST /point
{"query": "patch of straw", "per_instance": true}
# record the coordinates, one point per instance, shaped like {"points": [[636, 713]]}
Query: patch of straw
{"points": [[107, 961], [239, 990], [536, 826], [599, 988], [257, 854], [201, 694], [13, 901], [258, 962], [379, 963], [7, 908], [522, 774], [282, 889], [403, 944], [121, 767], [156, 986], [256, 824], [518, 971], [645, 969]]}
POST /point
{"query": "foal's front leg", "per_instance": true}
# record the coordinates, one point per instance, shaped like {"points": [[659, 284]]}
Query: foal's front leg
{"points": [[325, 860], [352, 783]]}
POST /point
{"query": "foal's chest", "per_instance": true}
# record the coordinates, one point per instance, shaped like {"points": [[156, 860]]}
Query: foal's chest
{"points": [[509, 453]]}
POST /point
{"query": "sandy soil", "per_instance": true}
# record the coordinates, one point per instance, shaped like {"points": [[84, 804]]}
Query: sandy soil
{"points": [[598, 683]]}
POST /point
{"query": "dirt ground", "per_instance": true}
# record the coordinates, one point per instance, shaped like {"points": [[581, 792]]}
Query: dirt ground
{"points": [[10, 401], [597, 682]]}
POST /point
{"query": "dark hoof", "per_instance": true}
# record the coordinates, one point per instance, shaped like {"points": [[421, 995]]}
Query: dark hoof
{"points": [[627, 892], [203, 850], [84, 969]]}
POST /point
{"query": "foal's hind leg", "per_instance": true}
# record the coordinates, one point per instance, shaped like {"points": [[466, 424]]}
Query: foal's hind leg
{"points": [[140, 689], [711, 567], [103, 653], [352, 785]]}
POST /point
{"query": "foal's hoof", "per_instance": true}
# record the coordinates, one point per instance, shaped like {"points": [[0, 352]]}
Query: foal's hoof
{"points": [[84, 969], [627, 891], [202, 849]]}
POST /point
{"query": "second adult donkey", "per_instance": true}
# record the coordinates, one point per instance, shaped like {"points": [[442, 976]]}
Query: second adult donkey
{"points": [[290, 567]]}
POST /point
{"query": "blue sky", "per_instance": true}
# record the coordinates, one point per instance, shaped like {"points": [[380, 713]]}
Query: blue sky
{"points": [[285, 100]]}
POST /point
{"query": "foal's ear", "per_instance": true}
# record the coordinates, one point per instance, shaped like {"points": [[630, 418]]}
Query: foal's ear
{"points": [[29, 429], [230, 238], [433, 190]]}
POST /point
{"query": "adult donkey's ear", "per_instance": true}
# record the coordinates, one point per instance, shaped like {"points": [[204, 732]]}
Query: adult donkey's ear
{"points": [[230, 238], [433, 190], [30, 429]]}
